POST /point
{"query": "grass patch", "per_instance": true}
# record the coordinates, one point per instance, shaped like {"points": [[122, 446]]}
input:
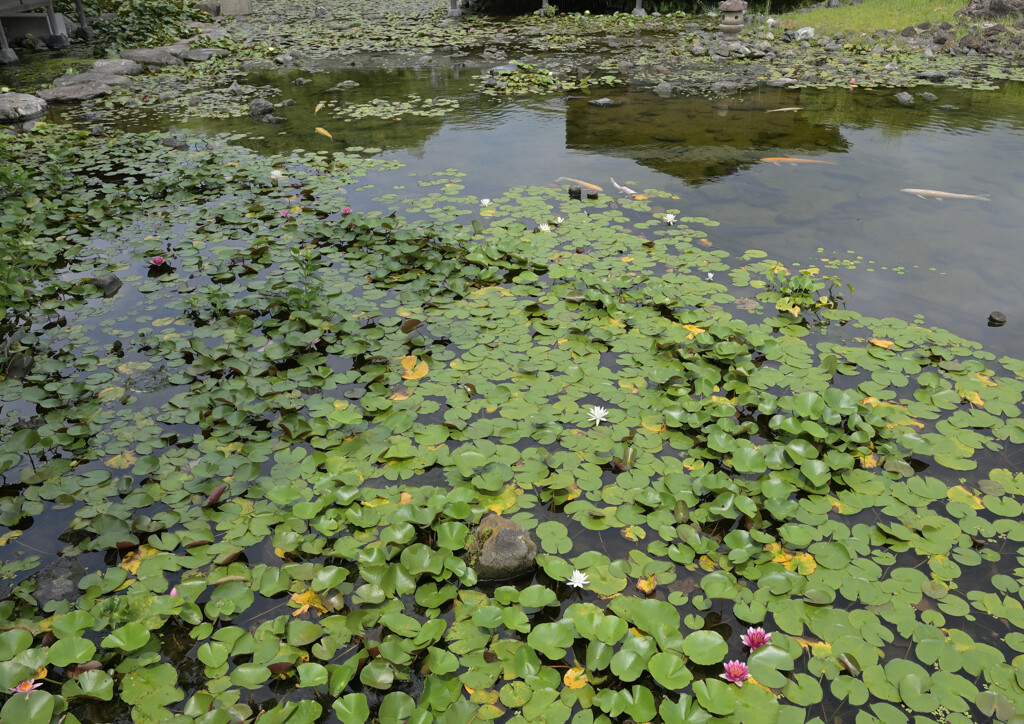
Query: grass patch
{"points": [[872, 15]]}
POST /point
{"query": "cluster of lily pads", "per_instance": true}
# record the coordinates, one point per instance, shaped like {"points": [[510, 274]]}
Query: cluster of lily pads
{"points": [[413, 105], [270, 448]]}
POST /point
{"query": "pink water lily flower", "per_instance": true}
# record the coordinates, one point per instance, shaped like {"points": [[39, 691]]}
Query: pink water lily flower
{"points": [[347, 210], [27, 686], [755, 638], [174, 591], [284, 212], [736, 672], [157, 260]]}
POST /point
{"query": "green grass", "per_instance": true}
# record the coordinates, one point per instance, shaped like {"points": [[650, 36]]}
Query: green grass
{"points": [[874, 15]]}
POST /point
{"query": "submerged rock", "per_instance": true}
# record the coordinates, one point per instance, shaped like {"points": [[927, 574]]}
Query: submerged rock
{"points": [[150, 56], [501, 548], [664, 88], [260, 107], [602, 102], [62, 81], [17, 107], [72, 93], [58, 581], [116, 66], [107, 283], [905, 98], [200, 55], [20, 365]]}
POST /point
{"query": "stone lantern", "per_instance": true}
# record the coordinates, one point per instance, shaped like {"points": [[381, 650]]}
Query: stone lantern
{"points": [[453, 10], [732, 16], [639, 9]]}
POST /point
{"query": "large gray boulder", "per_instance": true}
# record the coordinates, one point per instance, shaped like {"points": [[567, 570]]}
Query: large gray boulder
{"points": [[992, 9], [18, 107], [150, 56], [117, 66], [63, 81], [501, 548], [73, 93]]}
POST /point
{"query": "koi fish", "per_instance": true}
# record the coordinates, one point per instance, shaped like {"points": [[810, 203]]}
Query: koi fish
{"points": [[628, 191], [324, 132], [577, 182], [785, 110], [779, 160], [622, 189], [319, 105], [930, 194]]}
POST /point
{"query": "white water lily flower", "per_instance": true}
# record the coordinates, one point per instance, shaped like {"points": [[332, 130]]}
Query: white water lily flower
{"points": [[670, 219], [578, 579], [485, 202], [598, 415], [276, 174], [543, 227], [559, 219], [711, 275]]}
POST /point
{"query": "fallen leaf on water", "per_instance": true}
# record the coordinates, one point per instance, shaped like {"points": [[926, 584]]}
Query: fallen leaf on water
{"points": [[413, 368], [575, 678], [306, 600], [647, 584]]}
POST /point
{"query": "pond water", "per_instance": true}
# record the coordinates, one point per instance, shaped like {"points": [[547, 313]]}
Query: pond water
{"points": [[951, 261], [813, 178]]}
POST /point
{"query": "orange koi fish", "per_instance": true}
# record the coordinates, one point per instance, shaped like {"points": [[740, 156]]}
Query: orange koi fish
{"points": [[779, 160], [577, 182]]}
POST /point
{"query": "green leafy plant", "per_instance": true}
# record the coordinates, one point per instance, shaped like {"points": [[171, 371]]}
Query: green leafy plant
{"points": [[804, 291]]}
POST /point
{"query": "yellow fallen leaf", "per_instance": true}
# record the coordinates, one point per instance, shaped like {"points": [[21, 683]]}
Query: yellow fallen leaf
{"points": [[869, 461], [973, 397], [123, 461], [404, 499], [819, 648], [132, 561], [8, 537], [883, 343], [694, 330], [633, 533], [484, 696], [399, 395], [647, 584], [306, 600], [960, 494], [575, 678], [324, 132], [414, 368]]}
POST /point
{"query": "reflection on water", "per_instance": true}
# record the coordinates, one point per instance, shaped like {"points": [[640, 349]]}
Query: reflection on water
{"points": [[952, 261]]}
